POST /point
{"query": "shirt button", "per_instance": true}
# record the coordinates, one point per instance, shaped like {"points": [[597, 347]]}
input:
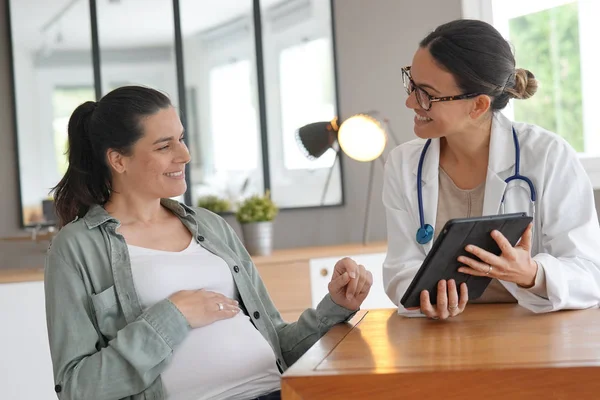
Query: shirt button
{"points": [[201, 238], [256, 315], [236, 269], [58, 388]]}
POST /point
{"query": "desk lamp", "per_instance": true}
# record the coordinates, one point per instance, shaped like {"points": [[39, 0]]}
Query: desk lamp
{"points": [[361, 137]]}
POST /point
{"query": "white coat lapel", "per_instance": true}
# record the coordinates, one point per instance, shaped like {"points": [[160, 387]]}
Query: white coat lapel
{"points": [[429, 178], [501, 159]]}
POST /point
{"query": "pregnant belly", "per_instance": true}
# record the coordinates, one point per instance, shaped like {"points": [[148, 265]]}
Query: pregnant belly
{"points": [[226, 357]]}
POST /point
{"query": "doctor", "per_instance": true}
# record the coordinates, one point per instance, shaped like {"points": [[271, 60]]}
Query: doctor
{"points": [[461, 76]]}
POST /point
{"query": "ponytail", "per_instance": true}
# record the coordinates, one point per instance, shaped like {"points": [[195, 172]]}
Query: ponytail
{"points": [[87, 179], [94, 128]]}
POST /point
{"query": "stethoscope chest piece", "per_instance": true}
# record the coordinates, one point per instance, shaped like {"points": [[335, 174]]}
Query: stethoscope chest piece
{"points": [[425, 234]]}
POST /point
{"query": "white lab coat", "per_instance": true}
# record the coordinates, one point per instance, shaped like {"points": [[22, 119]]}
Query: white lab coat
{"points": [[566, 242]]}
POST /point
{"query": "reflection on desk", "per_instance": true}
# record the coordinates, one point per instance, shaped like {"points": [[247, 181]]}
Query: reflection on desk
{"points": [[492, 351]]}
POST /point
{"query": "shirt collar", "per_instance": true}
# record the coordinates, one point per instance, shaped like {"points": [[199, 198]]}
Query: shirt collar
{"points": [[97, 215]]}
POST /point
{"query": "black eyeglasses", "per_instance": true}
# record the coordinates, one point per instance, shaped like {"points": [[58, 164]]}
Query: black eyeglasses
{"points": [[423, 98]]}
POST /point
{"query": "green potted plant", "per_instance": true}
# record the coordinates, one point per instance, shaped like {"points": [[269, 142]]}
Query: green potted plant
{"points": [[256, 215], [214, 203]]}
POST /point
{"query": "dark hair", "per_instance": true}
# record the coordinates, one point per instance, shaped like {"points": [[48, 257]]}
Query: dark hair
{"points": [[94, 127], [481, 61]]}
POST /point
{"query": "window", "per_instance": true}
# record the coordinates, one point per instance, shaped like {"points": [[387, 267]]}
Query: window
{"points": [[546, 40], [64, 101], [307, 95], [235, 136], [556, 40]]}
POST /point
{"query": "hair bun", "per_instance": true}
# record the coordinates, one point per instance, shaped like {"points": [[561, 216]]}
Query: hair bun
{"points": [[525, 84]]}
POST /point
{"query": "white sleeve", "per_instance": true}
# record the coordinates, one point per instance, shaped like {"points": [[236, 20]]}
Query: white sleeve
{"points": [[570, 241], [404, 257]]}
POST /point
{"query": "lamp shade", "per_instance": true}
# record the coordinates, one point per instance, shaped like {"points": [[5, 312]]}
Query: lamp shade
{"points": [[316, 138], [362, 137]]}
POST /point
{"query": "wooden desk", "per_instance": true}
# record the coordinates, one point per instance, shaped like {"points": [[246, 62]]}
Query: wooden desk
{"points": [[490, 352]]}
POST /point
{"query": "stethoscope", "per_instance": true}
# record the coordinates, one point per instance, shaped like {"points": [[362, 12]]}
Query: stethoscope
{"points": [[425, 231]]}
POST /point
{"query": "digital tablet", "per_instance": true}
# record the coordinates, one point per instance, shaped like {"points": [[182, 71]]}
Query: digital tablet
{"points": [[442, 260]]}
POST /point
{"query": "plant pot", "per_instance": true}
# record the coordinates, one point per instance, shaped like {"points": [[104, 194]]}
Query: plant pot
{"points": [[258, 238]]}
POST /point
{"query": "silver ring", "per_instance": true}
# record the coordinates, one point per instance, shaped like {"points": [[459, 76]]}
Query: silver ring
{"points": [[489, 270], [220, 306], [454, 307]]}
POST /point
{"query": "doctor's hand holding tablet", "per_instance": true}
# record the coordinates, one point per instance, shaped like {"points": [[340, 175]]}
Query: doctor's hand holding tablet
{"points": [[480, 208], [452, 279]]}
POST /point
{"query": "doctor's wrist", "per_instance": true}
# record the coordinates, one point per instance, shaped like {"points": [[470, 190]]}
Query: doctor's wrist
{"points": [[529, 280]]}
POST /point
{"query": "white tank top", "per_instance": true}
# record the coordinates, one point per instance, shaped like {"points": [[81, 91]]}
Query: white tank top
{"points": [[228, 359]]}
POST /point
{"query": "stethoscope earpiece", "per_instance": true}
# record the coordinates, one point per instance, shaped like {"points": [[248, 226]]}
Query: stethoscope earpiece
{"points": [[425, 234]]}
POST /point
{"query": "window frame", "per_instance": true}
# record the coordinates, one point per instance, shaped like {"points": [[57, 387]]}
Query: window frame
{"points": [[182, 92]]}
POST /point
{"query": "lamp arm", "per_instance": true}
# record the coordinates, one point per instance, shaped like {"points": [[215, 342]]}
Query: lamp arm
{"points": [[368, 205], [382, 161], [337, 155], [367, 219]]}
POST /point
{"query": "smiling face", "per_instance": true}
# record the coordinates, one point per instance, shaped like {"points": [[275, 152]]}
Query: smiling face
{"points": [[155, 167], [443, 118]]}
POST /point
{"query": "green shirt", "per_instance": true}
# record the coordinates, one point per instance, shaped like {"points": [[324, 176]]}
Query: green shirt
{"points": [[104, 346]]}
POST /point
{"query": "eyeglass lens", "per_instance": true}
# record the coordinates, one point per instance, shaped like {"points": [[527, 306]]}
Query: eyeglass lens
{"points": [[421, 95]]}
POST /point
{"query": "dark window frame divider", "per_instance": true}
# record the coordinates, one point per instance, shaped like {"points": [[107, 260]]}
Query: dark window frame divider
{"points": [[262, 96], [95, 49], [179, 63], [13, 88], [337, 100]]}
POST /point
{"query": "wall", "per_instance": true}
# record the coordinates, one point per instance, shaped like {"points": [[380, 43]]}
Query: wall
{"points": [[372, 43], [26, 367]]}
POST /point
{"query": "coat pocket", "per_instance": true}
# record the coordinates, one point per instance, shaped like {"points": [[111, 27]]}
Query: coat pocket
{"points": [[109, 317]]}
